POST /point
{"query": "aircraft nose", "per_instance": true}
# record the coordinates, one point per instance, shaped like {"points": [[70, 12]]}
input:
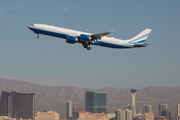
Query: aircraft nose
{"points": [[30, 27]]}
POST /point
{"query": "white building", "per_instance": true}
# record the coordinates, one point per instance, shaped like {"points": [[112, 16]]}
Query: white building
{"points": [[128, 114], [69, 110], [120, 114], [178, 110], [145, 109], [161, 108]]}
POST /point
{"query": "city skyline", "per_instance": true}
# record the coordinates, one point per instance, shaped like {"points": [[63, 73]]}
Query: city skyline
{"points": [[126, 114], [153, 95], [50, 61]]}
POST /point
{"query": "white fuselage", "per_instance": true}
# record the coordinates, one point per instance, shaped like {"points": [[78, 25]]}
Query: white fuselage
{"points": [[104, 41]]}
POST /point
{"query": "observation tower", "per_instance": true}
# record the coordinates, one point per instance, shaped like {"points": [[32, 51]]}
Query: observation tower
{"points": [[133, 93]]}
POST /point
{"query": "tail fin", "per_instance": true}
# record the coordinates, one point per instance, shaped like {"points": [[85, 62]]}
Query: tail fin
{"points": [[140, 38]]}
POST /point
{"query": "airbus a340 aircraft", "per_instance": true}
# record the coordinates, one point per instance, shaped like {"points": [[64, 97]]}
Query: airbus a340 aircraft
{"points": [[86, 39]]}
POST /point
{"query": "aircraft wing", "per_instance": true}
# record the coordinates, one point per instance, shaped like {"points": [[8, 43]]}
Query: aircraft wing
{"points": [[98, 36]]}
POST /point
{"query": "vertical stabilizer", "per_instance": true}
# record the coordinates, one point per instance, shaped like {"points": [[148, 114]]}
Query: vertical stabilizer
{"points": [[140, 38]]}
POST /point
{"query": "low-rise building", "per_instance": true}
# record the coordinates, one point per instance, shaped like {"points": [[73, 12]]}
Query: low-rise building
{"points": [[47, 115], [149, 116], [92, 116], [10, 118], [160, 118], [112, 116], [140, 117], [6, 118]]}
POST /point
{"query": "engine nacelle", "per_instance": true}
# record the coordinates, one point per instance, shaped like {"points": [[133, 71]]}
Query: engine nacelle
{"points": [[85, 37], [71, 39]]}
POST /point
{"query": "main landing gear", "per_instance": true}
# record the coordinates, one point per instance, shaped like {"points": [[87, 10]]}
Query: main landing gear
{"points": [[85, 45], [89, 48], [37, 35]]}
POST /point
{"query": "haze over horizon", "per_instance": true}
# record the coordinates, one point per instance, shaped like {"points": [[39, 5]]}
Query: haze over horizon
{"points": [[51, 61], [99, 89]]}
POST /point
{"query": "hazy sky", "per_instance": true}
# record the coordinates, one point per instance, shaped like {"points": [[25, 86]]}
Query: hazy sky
{"points": [[52, 61]]}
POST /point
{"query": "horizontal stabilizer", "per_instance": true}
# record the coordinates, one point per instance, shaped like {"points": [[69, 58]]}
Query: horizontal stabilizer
{"points": [[141, 45]]}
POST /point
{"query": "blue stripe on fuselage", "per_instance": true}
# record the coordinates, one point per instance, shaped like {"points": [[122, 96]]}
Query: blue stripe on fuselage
{"points": [[111, 45]]}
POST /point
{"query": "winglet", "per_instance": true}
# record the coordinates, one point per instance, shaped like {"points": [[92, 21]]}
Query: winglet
{"points": [[110, 31]]}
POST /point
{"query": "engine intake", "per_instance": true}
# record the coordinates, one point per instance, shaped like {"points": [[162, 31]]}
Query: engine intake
{"points": [[71, 39], [85, 37]]}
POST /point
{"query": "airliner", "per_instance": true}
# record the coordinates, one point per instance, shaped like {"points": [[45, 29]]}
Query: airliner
{"points": [[87, 39]]}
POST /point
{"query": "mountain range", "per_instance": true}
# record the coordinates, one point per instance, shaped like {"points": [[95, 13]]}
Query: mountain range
{"points": [[55, 97]]}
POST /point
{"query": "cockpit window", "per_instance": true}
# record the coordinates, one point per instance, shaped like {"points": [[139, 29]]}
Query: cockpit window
{"points": [[32, 24]]}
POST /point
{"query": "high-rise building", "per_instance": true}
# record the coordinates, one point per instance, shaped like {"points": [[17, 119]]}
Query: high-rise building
{"points": [[145, 109], [148, 109], [178, 118], [5, 96], [21, 105], [178, 110], [173, 117], [120, 114], [0, 106], [167, 113], [161, 108], [128, 106], [95, 102], [133, 93], [68, 110], [18, 105], [128, 114]]}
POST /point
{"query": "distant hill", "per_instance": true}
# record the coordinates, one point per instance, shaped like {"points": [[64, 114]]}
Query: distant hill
{"points": [[54, 98]]}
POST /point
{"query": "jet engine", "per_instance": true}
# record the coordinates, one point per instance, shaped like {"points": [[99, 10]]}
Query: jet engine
{"points": [[71, 39], [85, 37]]}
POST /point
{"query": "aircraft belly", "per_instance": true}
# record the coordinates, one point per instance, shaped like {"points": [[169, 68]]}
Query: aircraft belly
{"points": [[51, 33]]}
